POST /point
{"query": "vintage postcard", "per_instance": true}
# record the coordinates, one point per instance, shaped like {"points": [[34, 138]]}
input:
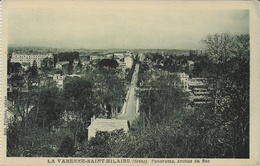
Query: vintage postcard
{"points": [[129, 82]]}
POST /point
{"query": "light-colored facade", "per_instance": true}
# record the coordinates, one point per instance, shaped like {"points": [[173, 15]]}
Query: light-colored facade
{"points": [[200, 92], [95, 57], [29, 58], [58, 79], [184, 78], [10, 116], [190, 65], [62, 65], [128, 62], [194, 82], [107, 125], [119, 55]]}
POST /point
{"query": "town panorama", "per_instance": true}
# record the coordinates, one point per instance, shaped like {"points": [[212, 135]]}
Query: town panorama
{"points": [[133, 103]]}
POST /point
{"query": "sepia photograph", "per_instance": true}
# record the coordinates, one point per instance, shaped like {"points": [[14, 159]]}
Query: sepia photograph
{"points": [[127, 81]]}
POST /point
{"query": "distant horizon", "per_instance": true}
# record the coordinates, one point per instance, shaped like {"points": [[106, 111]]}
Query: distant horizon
{"points": [[125, 48], [49, 47]]}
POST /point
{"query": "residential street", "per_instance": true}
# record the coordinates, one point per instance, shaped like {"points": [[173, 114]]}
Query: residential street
{"points": [[131, 105]]}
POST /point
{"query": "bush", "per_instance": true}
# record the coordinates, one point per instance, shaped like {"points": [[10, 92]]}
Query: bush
{"points": [[67, 147]]}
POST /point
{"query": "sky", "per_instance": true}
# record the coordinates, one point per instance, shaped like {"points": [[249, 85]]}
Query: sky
{"points": [[114, 27]]}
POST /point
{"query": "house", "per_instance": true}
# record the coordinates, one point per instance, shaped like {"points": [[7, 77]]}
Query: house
{"points": [[96, 57], [9, 88], [118, 55], [62, 65], [58, 79], [107, 125], [190, 65], [109, 56], [25, 65], [200, 93], [197, 82], [184, 78], [10, 114], [128, 62], [75, 62], [28, 59], [182, 82], [141, 57]]}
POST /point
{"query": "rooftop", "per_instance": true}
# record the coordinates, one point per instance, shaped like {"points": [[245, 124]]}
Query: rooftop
{"points": [[108, 124], [63, 63]]}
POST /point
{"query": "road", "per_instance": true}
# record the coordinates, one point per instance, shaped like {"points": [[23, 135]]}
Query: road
{"points": [[131, 105]]}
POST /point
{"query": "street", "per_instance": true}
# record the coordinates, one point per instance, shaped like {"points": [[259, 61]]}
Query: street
{"points": [[131, 105]]}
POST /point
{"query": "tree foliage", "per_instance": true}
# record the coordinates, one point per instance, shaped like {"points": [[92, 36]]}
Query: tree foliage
{"points": [[79, 96], [49, 107], [32, 141], [66, 56], [102, 144], [229, 81], [66, 148], [110, 63], [13, 67], [47, 64], [78, 92], [109, 88]]}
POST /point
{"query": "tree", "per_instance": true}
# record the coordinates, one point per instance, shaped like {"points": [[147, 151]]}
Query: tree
{"points": [[219, 46], [102, 144], [202, 68], [78, 92], [20, 95], [115, 89], [48, 106], [66, 56], [32, 74], [241, 47], [229, 82], [79, 66], [67, 147], [58, 71], [108, 87], [70, 67], [47, 64], [110, 63], [14, 67], [39, 142], [161, 98], [13, 141]]}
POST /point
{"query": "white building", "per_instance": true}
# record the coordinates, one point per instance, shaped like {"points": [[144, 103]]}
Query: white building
{"points": [[184, 78], [190, 64], [194, 82], [74, 75], [95, 57], [107, 125], [118, 55], [29, 58], [58, 79], [109, 56], [128, 62], [141, 57]]}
